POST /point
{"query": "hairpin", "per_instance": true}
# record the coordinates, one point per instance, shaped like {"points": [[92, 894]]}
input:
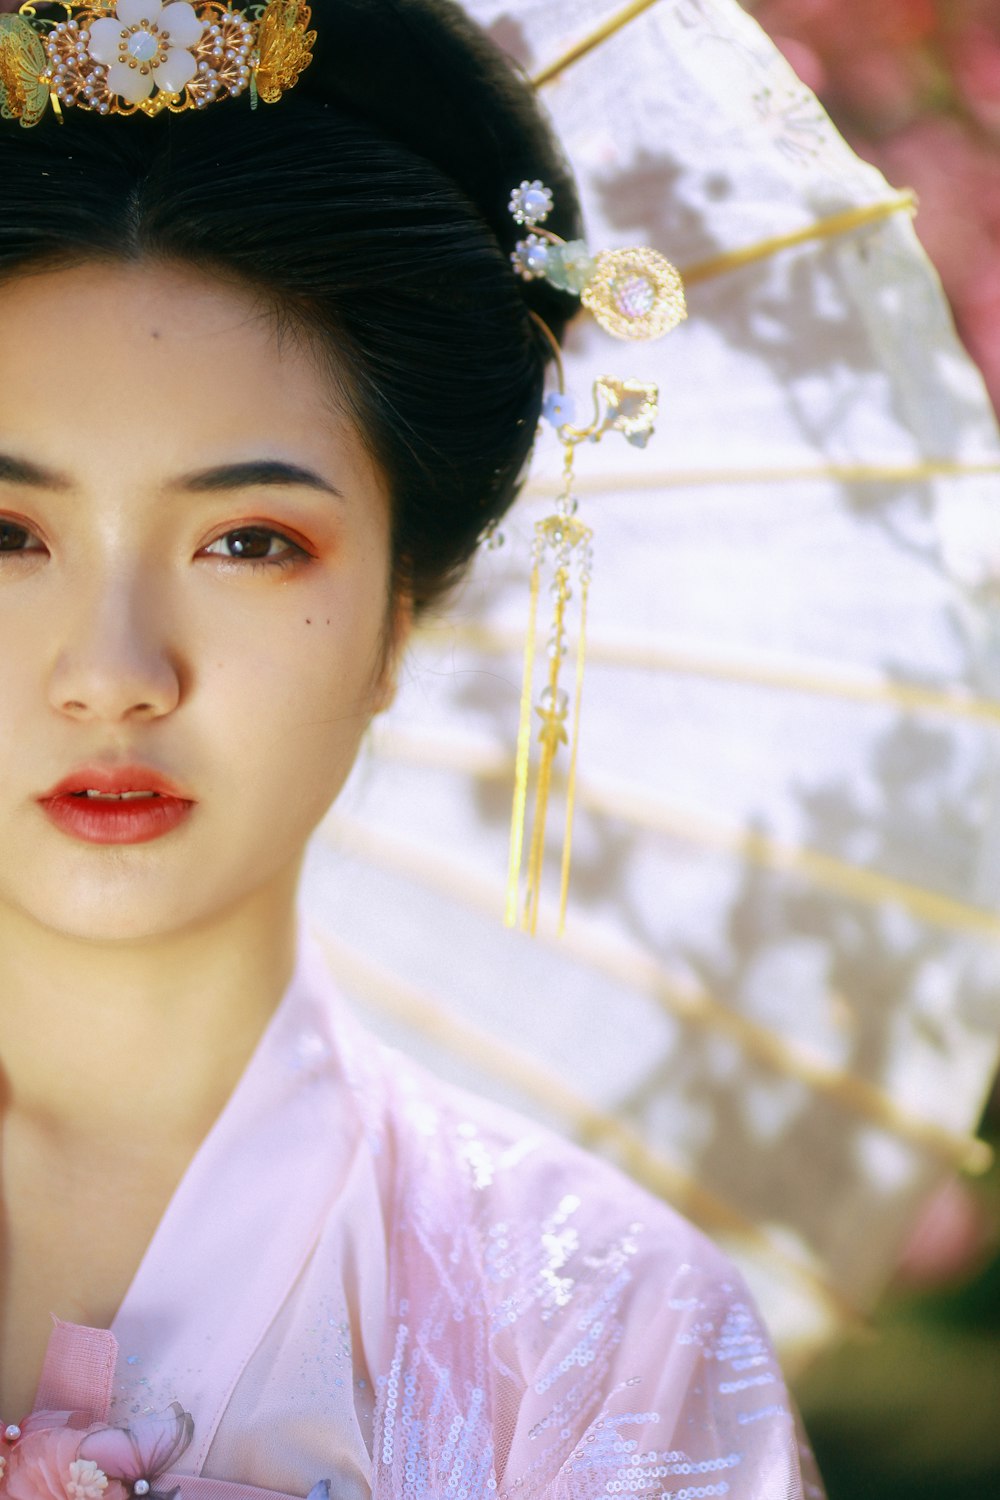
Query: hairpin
{"points": [[145, 56], [633, 294]]}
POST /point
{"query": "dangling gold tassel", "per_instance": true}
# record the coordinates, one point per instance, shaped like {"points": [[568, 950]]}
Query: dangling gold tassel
{"points": [[633, 294], [562, 539], [581, 648], [523, 748], [628, 407]]}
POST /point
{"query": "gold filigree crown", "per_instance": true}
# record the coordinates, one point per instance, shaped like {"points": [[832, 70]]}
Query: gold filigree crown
{"points": [[123, 57]]}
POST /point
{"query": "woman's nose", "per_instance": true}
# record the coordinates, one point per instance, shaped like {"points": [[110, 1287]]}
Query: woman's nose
{"points": [[115, 660]]}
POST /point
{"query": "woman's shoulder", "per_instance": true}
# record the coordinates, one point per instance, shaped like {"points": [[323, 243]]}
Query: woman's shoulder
{"points": [[553, 1319], [552, 1328], [446, 1145], [465, 1178]]}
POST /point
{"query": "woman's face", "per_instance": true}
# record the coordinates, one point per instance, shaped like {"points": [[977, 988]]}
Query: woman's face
{"points": [[194, 566]]}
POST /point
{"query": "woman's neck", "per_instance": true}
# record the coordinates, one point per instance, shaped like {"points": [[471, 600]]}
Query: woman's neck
{"points": [[116, 1060], [146, 1038]]}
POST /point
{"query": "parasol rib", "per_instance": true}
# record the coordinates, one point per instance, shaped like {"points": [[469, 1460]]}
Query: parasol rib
{"points": [[643, 810], [681, 479], [404, 1002], [820, 678], [832, 227], [636, 969], [869, 886], [606, 30]]}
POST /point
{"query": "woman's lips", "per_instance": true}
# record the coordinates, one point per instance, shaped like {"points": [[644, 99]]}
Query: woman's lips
{"points": [[109, 820], [134, 803]]}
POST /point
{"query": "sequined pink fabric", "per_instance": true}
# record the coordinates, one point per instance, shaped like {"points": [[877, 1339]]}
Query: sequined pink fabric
{"points": [[370, 1278]]}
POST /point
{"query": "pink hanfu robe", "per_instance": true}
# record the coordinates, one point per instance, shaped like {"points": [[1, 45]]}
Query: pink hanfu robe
{"points": [[371, 1278]]}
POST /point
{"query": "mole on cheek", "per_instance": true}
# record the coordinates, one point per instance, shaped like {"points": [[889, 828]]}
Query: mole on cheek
{"points": [[308, 622], [154, 333]]}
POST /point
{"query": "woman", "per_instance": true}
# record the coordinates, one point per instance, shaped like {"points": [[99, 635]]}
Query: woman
{"points": [[265, 378]]}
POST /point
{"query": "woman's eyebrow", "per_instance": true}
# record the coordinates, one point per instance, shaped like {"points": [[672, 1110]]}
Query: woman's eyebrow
{"points": [[20, 471], [257, 472], [239, 476]]}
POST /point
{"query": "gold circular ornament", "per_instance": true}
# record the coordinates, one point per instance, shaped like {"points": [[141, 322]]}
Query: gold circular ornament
{"points": [[635, 294]]}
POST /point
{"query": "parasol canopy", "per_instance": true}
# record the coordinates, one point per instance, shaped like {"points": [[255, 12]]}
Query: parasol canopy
{"points": [[777, 999]]}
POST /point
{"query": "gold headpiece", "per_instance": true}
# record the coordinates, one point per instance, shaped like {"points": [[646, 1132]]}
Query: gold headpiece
{"points": [[144, 56]]}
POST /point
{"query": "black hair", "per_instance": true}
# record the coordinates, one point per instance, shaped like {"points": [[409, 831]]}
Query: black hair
{"points": [[370, 205]]}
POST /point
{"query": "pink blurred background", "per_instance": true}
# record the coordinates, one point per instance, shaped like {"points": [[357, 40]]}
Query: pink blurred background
{"points": [[914, 85]]}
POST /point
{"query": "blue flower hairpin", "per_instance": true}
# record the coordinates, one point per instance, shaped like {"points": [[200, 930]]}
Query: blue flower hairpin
{"points": [[633, 294]]}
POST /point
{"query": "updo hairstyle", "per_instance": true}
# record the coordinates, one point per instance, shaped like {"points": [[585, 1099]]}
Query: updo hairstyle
{"points": [[369, 206]]}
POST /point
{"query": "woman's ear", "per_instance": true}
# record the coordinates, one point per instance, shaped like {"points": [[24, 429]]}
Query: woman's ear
{"points": [[398, 630]]}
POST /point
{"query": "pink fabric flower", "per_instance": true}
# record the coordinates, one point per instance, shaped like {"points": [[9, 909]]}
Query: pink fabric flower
{"points": [[61, 1457], [145, 1450], [46, 1465], [42, 1421]]}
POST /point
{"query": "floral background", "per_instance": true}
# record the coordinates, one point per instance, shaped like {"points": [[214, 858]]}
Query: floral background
{"points": [[914, 85]]}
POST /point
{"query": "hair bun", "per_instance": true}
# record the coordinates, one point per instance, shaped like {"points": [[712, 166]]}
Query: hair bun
{"points": [[426, 75]]}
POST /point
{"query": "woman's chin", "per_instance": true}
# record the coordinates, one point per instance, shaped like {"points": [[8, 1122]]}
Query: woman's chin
{"points": [[113, 900], [91, 916], [196, 877]]}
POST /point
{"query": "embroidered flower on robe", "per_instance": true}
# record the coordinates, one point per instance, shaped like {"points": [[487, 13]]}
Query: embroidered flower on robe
{"points": [[147, 44], [56, 1458]]}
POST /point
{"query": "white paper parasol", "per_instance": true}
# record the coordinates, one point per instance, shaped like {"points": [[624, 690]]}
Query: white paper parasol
{"points": [[778, 997]]}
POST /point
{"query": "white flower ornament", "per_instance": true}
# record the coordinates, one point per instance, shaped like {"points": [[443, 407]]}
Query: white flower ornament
{"points": [[146, 45], [86, 1480]]}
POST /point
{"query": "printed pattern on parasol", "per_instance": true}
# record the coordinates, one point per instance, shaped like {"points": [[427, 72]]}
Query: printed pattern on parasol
{"points": [[776, 1001]]}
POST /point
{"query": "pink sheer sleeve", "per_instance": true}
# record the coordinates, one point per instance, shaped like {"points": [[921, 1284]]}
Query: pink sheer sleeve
{"points": [[684, 1397], [555, 1333]]}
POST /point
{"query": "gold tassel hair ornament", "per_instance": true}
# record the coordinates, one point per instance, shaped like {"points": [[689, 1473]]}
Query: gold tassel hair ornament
{"points": [[126, 57], [633, 294]]}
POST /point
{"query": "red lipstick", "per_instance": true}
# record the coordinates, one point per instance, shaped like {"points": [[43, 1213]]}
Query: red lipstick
{"points": [[132, 805]]}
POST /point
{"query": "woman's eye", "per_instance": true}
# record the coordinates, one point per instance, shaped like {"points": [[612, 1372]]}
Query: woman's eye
{"points": [[257, 545], [16, 540]]}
